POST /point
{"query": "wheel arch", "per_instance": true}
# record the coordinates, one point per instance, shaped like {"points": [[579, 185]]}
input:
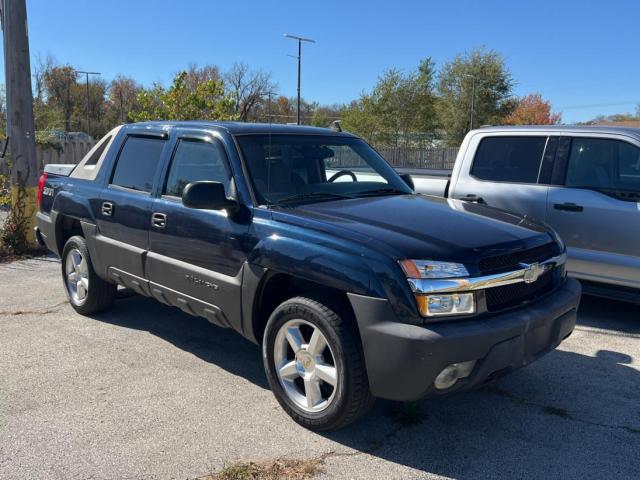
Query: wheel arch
{"points": [[276, 287]]}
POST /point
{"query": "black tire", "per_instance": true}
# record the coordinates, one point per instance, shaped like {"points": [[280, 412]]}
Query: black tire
{"points": [[352, 397], [100, 294]]}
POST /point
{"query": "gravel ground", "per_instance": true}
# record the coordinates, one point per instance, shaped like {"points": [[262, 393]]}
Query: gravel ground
{"points": [[145, 391]]}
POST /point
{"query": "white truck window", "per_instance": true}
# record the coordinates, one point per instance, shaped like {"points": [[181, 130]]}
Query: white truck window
{"points": [[509, 159]]}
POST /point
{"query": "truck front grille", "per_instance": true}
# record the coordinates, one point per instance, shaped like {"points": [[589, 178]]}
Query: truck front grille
{"points": [[508, 296], [512, 260]]}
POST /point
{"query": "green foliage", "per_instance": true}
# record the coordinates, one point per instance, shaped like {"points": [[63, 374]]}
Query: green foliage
{"points": [[493, 92], [207, 101], [5, 191], [400, 108], [320, 119]]}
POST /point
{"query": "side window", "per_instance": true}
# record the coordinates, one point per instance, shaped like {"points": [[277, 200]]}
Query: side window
{"points": [[603, 163], [509, 159], [137, 163], [195, 160]]}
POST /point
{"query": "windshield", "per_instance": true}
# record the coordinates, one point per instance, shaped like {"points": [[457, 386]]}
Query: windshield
{"points": [[309, 168]]}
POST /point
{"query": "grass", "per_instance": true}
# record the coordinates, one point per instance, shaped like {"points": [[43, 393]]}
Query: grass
{"points": [[280, 468]]}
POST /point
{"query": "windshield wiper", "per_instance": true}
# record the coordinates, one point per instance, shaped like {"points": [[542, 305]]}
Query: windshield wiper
{"points": [[304, 196]]}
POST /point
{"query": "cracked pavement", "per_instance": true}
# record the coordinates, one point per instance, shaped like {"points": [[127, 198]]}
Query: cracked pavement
{"points": [[145, 391]]}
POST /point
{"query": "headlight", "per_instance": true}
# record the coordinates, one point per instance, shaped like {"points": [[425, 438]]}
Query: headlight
{"points": [[446, 304], [433, 269], [435, 305]]}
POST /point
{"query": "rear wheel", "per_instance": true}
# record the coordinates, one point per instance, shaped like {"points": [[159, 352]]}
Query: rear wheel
{"points": [[314, 364], [87, 292]]}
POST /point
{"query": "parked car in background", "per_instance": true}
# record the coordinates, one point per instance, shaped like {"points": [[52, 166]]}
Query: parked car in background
{"points": [[356, 288], [583, 181]]}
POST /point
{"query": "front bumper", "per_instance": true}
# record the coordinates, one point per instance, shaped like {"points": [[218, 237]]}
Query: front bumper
{"points": [[403, 360]]}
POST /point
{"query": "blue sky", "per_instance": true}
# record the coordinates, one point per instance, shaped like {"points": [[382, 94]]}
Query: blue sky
{"points": [[583, 56]]}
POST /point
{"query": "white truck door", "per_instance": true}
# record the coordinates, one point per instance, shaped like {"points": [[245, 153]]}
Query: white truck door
{"points": [[504, 170]]}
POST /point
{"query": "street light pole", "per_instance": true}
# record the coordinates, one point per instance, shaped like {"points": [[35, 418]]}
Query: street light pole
{"points": [[87, 83], [473, 98], [300, 40]]}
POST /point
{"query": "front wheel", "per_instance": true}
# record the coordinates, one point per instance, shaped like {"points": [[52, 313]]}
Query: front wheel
{"points": [[314, 364], [87, 292]]}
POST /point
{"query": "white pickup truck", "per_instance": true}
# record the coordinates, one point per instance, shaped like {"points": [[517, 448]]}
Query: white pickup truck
{"points": [[583, 181]]}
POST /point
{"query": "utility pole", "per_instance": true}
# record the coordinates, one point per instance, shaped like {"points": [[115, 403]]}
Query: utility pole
{"points": [[473, 98], [20, 123], [80, 72], [299, 57]]}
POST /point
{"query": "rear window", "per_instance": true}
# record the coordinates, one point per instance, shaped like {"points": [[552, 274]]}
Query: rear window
{"points": [[137, 163], [509, 159], [93, 160]]}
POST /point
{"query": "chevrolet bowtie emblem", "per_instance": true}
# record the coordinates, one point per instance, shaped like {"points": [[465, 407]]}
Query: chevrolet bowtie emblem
{"points": [[532, 271]]}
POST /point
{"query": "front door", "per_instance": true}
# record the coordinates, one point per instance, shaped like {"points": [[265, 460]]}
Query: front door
{"points": [[196, 256], [597, 211]]}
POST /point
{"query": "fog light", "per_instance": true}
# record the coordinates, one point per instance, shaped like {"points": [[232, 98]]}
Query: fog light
{"points": [[452, 373], [446, 304]]}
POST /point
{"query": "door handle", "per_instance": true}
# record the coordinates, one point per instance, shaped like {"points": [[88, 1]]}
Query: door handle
{"points": [[159, 220], [107, 209], [472, 197], [569, 207]]}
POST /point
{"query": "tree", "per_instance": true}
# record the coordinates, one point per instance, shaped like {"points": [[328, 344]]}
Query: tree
{"points": [[399, 110], [481, 78], [123, 99], [206, 100], [320, 119], [94, 120], [249, 89], [196, 75], [533, 110], [60, 83]]}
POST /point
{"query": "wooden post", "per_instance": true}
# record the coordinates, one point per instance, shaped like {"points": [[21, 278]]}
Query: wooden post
{"points": [[20, 123]]}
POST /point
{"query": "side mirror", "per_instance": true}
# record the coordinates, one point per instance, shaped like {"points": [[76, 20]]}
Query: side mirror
{"points": [[408, 179], [208, 195]]}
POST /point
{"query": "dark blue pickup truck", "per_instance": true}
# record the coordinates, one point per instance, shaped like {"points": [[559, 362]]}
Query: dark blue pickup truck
{"points": [[306, 241]]}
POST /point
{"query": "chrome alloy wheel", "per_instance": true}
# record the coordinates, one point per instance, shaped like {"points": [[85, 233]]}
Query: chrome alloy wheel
{"points": [[77, 272], [305, 365]]}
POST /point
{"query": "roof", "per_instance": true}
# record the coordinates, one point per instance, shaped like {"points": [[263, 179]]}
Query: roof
{"points": [[240, 128], [632, 132]]}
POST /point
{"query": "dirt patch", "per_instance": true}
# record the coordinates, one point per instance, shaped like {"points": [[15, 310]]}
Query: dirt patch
{"points": [[281, 468]]}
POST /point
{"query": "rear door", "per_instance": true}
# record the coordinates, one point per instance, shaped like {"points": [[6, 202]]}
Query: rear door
{"points": [[504, 172], [124, 210], [596, 208], [196, 256]]}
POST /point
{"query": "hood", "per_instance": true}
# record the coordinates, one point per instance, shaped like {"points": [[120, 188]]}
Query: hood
{"points": [[421, 227]]}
